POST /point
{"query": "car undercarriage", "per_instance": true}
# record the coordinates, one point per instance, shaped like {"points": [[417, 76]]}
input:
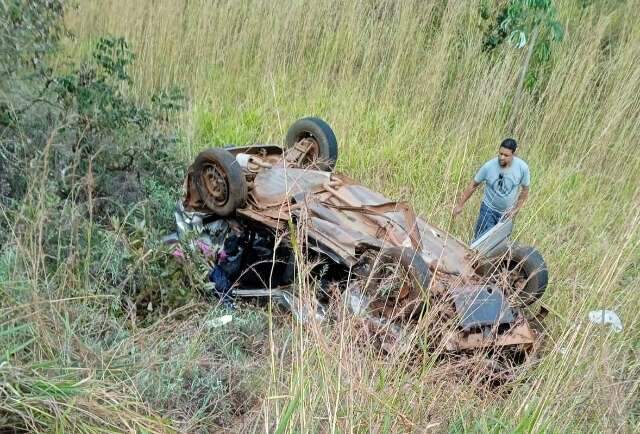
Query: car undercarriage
{"points": [[262, 209]]}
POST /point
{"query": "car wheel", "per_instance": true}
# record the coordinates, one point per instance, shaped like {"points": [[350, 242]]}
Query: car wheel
{"points": [[315, 140], [396, 282], [523, 273], [219, 181]]}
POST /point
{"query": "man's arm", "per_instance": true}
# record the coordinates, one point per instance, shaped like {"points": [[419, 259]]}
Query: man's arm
{"points": [[522, 198], [464, 197]]}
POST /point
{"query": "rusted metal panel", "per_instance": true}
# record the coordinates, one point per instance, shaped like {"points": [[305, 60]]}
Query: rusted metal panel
{"points": [[520, 334], [277, 185], [337, 200]]}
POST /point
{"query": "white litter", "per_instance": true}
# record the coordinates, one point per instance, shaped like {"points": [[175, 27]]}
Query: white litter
{"points": [[219, 322], [603, 316]]}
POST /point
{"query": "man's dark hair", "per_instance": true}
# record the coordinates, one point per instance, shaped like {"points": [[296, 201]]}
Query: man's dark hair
{"points": [[509, 144]]}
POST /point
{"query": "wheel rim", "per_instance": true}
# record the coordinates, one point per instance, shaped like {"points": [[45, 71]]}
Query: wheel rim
{"points": [[313, 151], [392, 290], [513, 280], [216, 184]]}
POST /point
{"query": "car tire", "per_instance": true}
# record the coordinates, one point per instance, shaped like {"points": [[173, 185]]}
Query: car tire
{"points": [[322, 134], [219, 180], [526, 272]]}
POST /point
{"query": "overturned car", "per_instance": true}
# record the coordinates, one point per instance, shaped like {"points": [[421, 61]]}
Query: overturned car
{"points": [[258, 208]]}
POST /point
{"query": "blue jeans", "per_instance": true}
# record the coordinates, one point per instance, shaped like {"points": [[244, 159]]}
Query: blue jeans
{"points": [[487, 218]]}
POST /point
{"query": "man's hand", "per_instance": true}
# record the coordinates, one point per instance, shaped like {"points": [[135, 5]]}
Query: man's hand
{"points": [[509, 215], [456, 211], [466, 194], [522, 198]]}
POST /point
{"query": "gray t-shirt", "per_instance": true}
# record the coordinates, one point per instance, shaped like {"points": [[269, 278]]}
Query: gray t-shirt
{"points": [[501, 183]]}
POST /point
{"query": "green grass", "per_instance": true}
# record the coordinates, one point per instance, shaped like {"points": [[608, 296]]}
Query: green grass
{"points": [[417, 107]]}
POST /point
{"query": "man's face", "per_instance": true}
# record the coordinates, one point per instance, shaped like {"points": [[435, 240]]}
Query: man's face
{"points": [[505, 156]]}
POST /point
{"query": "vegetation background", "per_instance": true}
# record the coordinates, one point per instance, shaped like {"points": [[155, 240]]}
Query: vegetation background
{"points": [[102, 331]]}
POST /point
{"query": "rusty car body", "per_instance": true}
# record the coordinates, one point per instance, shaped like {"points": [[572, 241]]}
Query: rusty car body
{"points": [[361, 240]]}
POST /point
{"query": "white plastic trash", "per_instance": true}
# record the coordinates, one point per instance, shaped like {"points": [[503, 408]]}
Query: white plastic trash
{"points": [[603, 316], [219, 322]]}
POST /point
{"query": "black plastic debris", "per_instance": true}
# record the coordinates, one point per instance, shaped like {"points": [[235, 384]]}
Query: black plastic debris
{"points": [[480, 306]]}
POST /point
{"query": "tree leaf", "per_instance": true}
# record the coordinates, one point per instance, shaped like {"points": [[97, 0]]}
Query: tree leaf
{"points": [[518, 38], [557, 30], [506, 23]]}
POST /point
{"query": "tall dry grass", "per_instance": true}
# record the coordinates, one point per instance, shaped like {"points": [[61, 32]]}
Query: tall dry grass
{"points": [[417, 106]]}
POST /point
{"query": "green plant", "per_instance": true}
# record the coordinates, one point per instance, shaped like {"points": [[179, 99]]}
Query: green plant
{"points": [[530, 24], [29, 31]]}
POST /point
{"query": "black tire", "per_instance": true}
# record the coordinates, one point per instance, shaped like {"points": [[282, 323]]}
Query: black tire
{"points": [[323, 135], [527, 272], [219, 180]]}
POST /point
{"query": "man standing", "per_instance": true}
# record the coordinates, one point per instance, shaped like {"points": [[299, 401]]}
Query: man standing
{"points": [[506, 180]]}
